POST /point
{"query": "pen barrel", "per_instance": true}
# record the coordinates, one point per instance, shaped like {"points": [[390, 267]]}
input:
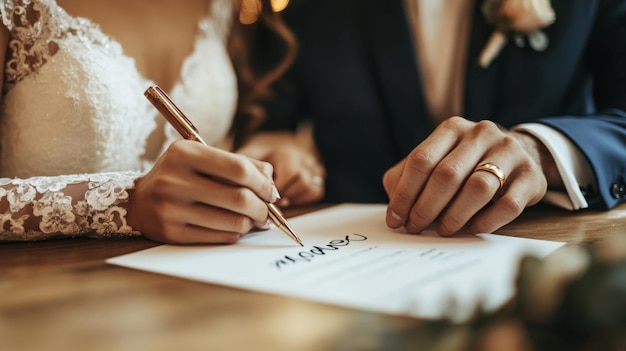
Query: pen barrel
{"points": [[172, 113]]}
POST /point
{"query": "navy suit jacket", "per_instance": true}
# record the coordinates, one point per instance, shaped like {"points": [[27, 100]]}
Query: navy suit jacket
{"points": [[357, 79]]}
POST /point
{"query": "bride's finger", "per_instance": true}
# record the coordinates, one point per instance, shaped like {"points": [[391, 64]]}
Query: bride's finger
{"points": [[264, 167], [194, 188], [214, 218], [230, 168]]}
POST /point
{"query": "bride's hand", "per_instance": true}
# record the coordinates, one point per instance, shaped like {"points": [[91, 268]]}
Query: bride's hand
{"points": [[298, 176], [298, 173], [439, 183], [200, 194]]}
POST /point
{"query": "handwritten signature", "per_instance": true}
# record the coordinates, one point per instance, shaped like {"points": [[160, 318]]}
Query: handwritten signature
{"points": [[308, 256]]}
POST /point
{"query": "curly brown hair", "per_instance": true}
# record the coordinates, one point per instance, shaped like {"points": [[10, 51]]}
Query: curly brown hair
{"points": [[261, 52]]}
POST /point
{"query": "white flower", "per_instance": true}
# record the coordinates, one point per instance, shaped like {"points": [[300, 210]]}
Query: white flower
{"points": [[100, 196], [527, 15], [106, 222], [15, 226], [56, 214], [20, 196], [82, 208], [516, 18]]}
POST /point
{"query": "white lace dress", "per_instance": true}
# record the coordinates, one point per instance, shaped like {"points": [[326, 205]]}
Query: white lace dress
{"points": [[73, 116]]}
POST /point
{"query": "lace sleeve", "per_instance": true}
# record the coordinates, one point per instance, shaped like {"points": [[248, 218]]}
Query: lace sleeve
{"points": [[35, 26], [65, 206], [6, 8]]}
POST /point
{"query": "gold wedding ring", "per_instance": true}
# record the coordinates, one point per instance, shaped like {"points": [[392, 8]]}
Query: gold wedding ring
{"points": [[493, 169]]}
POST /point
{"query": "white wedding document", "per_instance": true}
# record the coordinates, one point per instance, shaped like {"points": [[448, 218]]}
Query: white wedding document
{"points": [[351, 258]]}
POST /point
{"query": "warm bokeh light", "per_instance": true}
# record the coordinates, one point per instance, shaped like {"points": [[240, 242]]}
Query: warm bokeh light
{"points": [[250, 9], [279, 5]]}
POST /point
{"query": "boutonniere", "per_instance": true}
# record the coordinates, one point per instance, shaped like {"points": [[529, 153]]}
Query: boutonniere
{"points": [[515, 19]]}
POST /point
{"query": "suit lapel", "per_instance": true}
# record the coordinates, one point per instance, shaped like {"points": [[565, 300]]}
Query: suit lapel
{"points": [[388, 42], [482, 93]]}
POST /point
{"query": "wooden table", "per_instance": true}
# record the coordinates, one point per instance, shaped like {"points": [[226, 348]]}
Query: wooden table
{"points": [[61, 295]]}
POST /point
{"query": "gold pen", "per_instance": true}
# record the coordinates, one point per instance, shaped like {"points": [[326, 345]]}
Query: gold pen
{"points": [[183, 125]]}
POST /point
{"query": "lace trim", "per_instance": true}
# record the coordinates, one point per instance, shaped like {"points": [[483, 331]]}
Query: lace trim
{"points": [[45, 201], [35, 25]]}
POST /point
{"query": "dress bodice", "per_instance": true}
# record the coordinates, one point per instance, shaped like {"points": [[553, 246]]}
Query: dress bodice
{"points": [[73, 101], [73, 116]]}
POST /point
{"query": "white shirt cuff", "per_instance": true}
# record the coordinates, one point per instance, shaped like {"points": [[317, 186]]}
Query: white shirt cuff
{"points": [[570, 162]]}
